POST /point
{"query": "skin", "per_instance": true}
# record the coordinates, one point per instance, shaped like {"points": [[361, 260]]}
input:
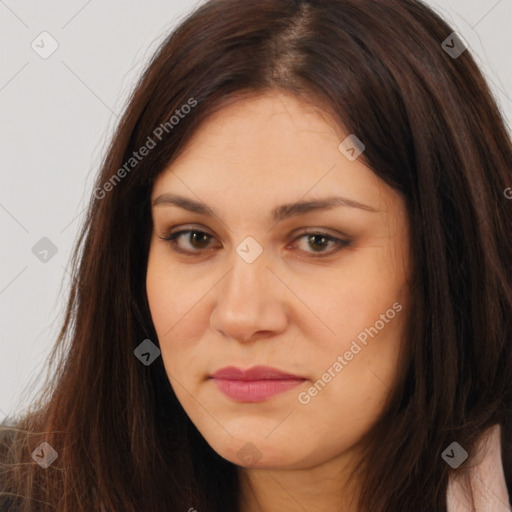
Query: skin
{"points": [[297, 307]]}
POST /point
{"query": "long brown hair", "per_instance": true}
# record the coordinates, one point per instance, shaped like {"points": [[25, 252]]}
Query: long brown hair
{"points": [[432, 131]]}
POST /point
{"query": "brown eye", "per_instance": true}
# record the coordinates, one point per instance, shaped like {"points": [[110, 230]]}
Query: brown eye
{"points": [[319, 241], [194, 242], [197, 240]]}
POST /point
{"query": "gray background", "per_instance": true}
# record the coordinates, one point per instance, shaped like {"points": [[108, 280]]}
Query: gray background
{"points": [[57, 115]]}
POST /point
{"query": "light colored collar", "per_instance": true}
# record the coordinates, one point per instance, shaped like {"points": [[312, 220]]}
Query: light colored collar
{"points": [[486, 479]]}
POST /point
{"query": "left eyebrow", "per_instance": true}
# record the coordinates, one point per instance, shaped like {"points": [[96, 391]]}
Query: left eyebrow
{"points": [[278, 214]]}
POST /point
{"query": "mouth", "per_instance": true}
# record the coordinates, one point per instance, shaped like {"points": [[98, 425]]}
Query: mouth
{"points": [[254, 384]]}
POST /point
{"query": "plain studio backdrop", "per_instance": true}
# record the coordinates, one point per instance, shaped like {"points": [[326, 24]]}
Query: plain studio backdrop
{"points": [[66, 71]]}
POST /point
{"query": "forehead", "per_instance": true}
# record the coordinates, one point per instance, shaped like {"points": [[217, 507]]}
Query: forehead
{"points": [[264, 128], [269, 147]]}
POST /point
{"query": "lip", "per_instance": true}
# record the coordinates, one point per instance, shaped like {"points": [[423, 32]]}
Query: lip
{"points": [[254, 373], [254, 384]]}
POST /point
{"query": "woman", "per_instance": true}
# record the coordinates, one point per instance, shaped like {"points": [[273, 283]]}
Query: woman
{"points": [[293, 288]]}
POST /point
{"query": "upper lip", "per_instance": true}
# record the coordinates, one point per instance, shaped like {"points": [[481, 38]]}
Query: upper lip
{"points": [[254, 373]]}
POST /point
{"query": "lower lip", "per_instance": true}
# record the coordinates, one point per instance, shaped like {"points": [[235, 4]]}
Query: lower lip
{"points": [[255, 390]]}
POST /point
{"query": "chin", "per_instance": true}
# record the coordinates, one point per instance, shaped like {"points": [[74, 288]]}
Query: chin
{"points": [[258, 454]]}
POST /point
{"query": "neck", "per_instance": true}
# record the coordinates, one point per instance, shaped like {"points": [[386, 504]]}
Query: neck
{"points": [[324, 488]]}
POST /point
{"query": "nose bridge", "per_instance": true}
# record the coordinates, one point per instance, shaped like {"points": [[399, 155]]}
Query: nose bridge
{"points": [[246, 284], [246, 301]]}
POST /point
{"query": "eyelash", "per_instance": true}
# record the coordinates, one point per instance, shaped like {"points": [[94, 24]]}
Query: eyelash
{"points": [[340, 243]]}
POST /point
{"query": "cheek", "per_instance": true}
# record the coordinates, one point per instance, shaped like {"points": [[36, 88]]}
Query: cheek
{"points": [[367, 316], [353, 299], [168, 293], [162, 297], [178, 317], [342, 404]]}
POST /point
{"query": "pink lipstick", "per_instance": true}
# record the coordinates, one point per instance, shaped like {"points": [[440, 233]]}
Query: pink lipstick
{"points": [[254, 384]]}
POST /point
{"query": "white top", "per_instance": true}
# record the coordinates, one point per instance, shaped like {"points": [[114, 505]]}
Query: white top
{"points": [[487, 479]]}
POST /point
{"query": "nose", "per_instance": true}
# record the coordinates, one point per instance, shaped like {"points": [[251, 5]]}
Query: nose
{"points": [[250, 302]]}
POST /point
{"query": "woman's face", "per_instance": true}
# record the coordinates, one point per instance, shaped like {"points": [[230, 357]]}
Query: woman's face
{"points": [[317, 293]]}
